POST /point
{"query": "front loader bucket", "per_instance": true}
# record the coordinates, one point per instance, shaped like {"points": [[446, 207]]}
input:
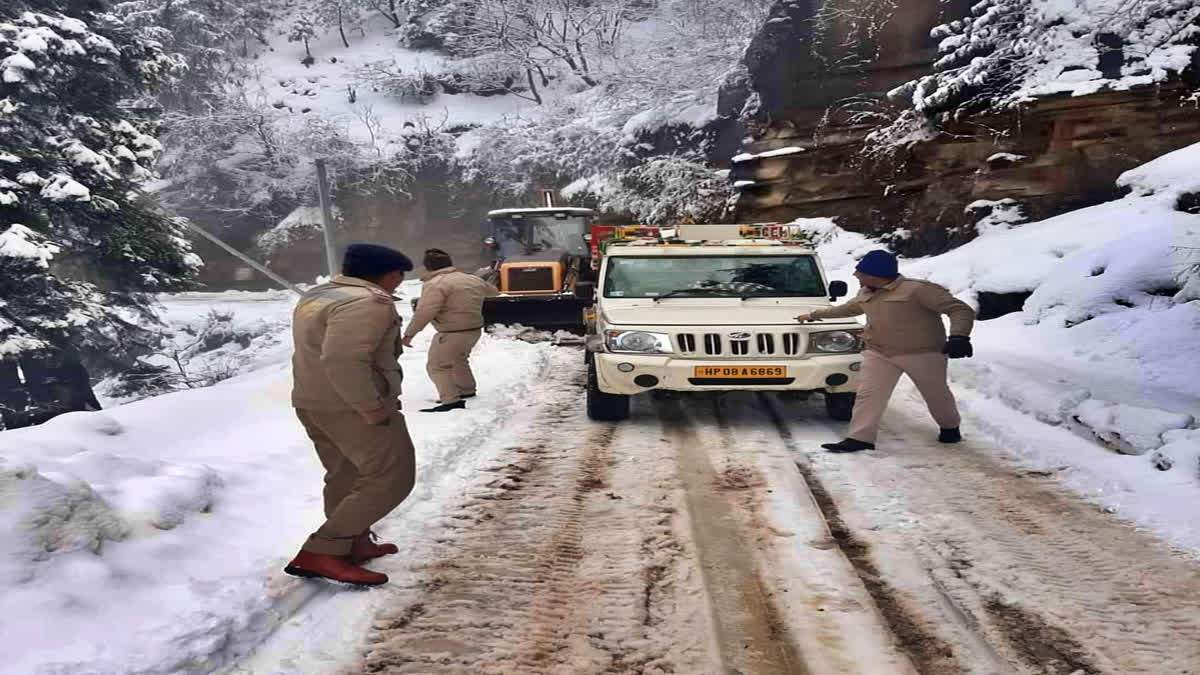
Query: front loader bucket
{"points": [[544, 312]]}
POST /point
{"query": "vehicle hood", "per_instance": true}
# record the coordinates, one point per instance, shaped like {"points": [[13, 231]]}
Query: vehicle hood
{"points": [[707, 311]]}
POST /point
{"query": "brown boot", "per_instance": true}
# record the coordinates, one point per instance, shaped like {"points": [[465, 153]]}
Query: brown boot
{"points": [[366, 548], [335, 567]]}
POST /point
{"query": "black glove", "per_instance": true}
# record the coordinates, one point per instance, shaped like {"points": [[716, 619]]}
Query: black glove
{"points": [[958, 346]]}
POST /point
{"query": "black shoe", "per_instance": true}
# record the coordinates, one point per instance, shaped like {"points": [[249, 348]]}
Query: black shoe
{"points": [[949, 436], [471, 395], [848, 445], [446, 407]]}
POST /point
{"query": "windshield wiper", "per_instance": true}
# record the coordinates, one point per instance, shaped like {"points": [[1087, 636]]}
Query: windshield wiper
{"points": [[713, 291]]}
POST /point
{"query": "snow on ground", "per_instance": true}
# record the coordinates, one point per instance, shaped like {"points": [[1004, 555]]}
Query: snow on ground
{"points": [[1097, 377], [150, 537], [338, 74]]}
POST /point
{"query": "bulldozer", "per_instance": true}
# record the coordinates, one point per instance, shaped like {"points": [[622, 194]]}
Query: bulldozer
{"points": [[536, 256]]}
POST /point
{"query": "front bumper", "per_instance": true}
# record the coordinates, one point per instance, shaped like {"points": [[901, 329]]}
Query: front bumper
{"points": [[676, 374]]}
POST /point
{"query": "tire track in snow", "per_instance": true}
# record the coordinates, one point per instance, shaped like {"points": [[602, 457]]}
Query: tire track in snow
{"points": [[751, 635], [1041, 580], [565, 562], [929, 653]]}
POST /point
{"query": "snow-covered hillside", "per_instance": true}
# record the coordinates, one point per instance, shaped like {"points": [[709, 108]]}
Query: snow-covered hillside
{"points": [[621, 118]]}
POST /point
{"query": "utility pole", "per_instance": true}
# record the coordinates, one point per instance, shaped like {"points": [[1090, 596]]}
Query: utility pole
{"points": [[326, 218], [243, 257]]}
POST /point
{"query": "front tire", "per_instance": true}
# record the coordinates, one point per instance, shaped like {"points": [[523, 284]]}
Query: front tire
{"points": [[603, 407], [840, 407]]}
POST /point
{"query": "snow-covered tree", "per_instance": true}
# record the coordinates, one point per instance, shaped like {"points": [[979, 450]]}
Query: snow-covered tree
{"points": [[304, 29], [1011, 51], [340, 14], [535, 35], [392, 10], [80, 249], [193, 32]]}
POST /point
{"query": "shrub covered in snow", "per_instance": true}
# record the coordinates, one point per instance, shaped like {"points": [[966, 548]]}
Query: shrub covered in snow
{"points": [[194, 353]]}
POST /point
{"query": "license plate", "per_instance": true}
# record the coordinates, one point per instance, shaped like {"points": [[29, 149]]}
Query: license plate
{"points": [[740, 372]]}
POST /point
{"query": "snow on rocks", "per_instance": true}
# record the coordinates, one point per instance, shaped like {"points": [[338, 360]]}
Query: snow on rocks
{"points": [[1182, 450], [1132, 429], [1168, 176], [999, 215], [41, 516], [63, 188], [19, 241], [781, 152], [16, 68]]}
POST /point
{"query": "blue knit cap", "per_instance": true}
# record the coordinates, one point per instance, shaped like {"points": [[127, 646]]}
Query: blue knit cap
{"points": [[879, 263], [370, 261]]}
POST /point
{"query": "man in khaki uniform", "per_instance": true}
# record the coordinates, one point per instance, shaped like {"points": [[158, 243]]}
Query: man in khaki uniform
{"points": [[346, 383], [904, 335], [453, 302]]}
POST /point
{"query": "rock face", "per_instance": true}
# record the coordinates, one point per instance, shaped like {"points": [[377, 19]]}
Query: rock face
{"points": [[811, 55], [1056, 154]]}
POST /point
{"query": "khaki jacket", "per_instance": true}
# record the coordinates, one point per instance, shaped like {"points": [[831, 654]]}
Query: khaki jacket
{"points": [[347, 337], [452, 301], [905, 316]]}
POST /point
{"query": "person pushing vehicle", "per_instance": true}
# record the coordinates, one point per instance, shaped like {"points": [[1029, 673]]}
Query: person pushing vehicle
{"points": [[904, 336]]}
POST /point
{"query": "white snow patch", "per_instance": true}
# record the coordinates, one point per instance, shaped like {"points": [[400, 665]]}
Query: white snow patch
{"points": [[19, 241], [16, 68], [63, 188], [781, 152], [1168, 176], [1141, 428]]}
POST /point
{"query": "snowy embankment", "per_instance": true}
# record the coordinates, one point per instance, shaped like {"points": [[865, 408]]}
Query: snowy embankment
{"points": [[1097, 378], [150, 537]]}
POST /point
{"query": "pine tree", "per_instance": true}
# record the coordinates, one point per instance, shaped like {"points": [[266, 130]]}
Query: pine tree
{"points": [[81, 250]]}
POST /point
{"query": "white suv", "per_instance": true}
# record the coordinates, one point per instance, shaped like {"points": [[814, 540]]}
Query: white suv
{"points": [[697, 313]]}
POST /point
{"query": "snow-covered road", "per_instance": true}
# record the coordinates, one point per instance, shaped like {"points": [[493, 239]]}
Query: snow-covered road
{"points": [[714, 536], [703, 535]]}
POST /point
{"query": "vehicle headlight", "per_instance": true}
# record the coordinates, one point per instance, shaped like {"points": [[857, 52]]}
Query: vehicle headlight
{"points": [[835, 342], [638, 342]]}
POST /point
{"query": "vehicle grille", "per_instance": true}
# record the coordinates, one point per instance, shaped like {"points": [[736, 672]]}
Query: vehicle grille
{"points": [[530, 278], [754, 344]]}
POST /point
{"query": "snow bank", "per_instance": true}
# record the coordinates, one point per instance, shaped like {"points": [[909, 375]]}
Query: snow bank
{"points": [[154, 533], [1103, 351], [1168, 177]]}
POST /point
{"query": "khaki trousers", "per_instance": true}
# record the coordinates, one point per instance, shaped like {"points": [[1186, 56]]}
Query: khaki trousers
{"points": [[878, 379], [369, 470], [449, 364]]}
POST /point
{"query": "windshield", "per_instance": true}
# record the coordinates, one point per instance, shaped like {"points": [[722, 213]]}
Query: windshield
{"points": [[517, 236], [698, 276]]}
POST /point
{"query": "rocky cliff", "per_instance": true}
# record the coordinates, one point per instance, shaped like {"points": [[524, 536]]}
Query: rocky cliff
{"points": [[810, 94]]}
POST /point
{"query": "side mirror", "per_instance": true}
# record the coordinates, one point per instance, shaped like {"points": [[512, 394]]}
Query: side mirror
{"points": [[837, 289], [585, 292]]}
